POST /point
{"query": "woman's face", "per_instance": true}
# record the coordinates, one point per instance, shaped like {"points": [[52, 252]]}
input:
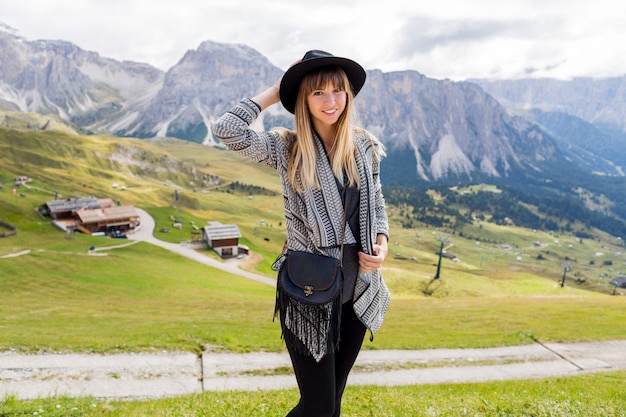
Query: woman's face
{"points": [[327, 104]]}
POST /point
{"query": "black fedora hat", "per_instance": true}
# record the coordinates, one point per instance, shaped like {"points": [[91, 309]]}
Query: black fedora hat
{"points": [[312, 60]]}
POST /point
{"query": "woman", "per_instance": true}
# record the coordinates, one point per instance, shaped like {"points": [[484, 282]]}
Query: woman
{"points": [[327, 167]]}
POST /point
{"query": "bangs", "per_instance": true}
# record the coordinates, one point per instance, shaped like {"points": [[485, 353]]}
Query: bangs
{"points": [[334, 76]]}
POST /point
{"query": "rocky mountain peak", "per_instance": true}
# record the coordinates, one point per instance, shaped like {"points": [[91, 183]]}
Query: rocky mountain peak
{"points": [[8, 30]]}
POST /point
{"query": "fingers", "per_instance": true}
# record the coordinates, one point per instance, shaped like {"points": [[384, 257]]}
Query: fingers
{"points": [[369, 263]]}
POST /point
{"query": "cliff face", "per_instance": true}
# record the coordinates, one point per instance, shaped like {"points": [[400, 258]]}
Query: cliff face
{"points": [[451, 128]]}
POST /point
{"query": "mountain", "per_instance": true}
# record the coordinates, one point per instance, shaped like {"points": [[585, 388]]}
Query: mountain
{"points": [[198, 88], [596, 149], [58, 78], [585, 114], [601, 101], [449, 130]]}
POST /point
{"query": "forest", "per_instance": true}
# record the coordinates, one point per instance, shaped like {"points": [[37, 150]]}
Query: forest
{"points": [[552, 211]]}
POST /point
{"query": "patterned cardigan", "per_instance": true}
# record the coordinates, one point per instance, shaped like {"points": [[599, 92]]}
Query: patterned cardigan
{"points": [[313, 219]]}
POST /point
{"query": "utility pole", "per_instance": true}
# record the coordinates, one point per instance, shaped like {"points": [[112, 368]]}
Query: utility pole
{"points": [[442, 240], [565, 269], [437, 275]]}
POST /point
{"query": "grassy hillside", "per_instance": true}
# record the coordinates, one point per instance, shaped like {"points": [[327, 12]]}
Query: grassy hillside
{"points": [[57, 297]]}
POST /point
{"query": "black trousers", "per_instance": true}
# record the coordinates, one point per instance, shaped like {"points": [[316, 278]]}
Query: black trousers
{"points": [[322, 383]]}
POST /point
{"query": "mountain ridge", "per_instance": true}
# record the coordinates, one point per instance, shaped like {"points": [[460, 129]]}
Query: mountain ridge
{"points": [[441, 131]]}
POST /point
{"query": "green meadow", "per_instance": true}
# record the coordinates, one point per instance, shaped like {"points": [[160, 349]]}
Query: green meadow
{"points": [[504, 288]]}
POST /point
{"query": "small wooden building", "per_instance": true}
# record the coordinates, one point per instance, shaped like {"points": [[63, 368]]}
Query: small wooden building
{"points": [[222, 238], [21, 180], [91, 215]]}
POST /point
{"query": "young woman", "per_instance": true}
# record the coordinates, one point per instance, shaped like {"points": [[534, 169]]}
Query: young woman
{"points": [[327, 167]]}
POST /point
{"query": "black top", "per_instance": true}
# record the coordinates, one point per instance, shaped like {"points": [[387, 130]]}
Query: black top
{"points": [[350, 260]]}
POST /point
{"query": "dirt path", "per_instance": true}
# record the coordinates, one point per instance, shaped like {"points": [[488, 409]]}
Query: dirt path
{"points": [[13, 255]]}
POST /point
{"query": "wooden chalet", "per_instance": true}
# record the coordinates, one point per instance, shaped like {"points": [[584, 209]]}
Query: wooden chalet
{"points": [[223, 239]]}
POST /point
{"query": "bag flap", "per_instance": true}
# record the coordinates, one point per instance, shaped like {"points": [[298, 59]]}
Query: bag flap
{"points": [[311, 270]]}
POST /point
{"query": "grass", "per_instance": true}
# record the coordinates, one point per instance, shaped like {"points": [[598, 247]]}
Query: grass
{"points": [[57, 298], [62, 299], [161, 300], [584, 395]]}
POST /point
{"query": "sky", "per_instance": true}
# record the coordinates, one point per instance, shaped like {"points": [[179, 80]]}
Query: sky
{"points": [[442, 39]]}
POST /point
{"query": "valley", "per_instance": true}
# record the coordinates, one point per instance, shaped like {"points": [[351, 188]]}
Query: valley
{"points": [[484, 257]]}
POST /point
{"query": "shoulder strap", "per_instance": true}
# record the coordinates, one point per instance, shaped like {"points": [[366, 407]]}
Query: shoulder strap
{"points": [[343, 228]]}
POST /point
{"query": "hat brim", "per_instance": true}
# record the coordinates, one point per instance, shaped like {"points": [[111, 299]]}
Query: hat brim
{"points": [[290, 83]]}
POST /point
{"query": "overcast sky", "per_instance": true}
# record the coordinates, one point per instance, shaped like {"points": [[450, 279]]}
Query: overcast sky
{"points": [[456, 39]]}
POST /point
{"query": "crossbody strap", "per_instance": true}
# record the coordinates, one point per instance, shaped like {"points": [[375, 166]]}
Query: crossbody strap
{"points": [[343, 229]]}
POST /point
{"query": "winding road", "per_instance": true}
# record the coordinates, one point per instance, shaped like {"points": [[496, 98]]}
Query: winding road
{"points": [[146, 234]]}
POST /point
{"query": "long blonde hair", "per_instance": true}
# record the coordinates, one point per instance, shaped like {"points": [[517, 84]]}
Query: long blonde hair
{"points": [[304, 149]]}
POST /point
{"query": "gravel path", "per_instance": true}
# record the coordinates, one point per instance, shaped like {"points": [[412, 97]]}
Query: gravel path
{"points": [[141, 376]]}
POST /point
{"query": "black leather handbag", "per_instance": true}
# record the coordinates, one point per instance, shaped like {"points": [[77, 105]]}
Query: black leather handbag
{"points": [[311, 278]]}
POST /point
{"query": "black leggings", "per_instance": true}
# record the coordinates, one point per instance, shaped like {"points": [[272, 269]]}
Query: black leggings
{"points": [[322, 383]]}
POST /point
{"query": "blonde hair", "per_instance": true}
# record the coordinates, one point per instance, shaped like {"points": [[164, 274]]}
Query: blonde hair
{"points": [[304, 149]]}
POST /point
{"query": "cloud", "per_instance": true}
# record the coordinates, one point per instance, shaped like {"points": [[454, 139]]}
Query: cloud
{"points": [[512, 47], [453, 39]]}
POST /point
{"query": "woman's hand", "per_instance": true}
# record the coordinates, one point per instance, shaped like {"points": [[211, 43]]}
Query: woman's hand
{"points": [[372, 262], [272, 94], [269, 96]]}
